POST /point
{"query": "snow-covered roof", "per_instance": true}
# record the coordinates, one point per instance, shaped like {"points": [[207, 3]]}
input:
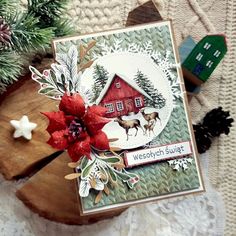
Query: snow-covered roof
{"points": [[128, 81]]}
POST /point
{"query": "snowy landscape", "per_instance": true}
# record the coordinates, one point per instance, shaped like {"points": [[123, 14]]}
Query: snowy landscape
{"points": [[114, 130], [130, 65]]}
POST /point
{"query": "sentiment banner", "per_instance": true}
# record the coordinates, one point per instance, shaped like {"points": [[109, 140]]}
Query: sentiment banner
{"points": [[159, 153]]}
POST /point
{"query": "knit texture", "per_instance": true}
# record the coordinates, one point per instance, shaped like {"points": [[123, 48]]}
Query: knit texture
{"points": [[196, 18]]}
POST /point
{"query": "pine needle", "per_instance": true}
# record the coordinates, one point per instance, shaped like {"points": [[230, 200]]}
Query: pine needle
{"points": [[31, 31], [10, 69], [26, 35]]}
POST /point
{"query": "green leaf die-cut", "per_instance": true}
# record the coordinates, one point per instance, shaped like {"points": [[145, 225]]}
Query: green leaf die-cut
{"points": [[123, 176], [112, 175], [104, 173], [87, 170], [84, 162], [111, 160], [46, 90]]}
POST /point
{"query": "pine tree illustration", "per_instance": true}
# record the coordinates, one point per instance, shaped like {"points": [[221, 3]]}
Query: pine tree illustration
{"points": [[158, 101], [100, 77]]}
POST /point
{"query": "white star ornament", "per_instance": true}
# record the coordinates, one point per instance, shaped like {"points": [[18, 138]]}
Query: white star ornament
{"points": [[23, 127]]}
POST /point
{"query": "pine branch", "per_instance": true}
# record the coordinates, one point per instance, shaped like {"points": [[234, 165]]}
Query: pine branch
{"points": [[63, 27], [26, 35], [10, 69], [29, 31], [7, 6], [49, 13]]}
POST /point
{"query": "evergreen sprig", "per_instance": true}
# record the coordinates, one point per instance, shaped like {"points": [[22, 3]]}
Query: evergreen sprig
{"points": [[7, 6], [62, 27], [10, 68], [26, 35], [49, 13], [29, 31]]}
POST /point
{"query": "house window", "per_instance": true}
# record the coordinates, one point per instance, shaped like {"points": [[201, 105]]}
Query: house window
{"points": [[198, 69], [117, 84], [217, 53], [207, 46], [199, 57], [209, 64], [138, 102], [110, 107], [119, 106]]}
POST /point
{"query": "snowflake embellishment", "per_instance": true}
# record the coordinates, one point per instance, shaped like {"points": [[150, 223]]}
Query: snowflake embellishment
{"points": [[178, 164]]}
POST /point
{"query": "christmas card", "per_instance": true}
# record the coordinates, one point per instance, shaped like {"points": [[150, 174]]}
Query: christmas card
{"points": [[123, 116]]}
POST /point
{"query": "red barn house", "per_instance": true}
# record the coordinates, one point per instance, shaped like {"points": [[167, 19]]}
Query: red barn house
{"points": [[121, 96]]}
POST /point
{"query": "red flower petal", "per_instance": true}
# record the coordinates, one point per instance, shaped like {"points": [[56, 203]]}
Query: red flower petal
{"points": [[58, 140], [94, 122], [101, 111], [100, 141], [80, 149], [81, 137], [57, 121], [72, 105], [69, 119]]}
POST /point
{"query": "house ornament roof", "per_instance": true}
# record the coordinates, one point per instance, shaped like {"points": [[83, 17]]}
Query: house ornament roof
{"points": [[128, 81]]}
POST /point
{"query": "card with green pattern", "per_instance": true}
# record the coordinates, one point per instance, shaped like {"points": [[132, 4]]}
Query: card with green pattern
{"points": [[135, 74]]}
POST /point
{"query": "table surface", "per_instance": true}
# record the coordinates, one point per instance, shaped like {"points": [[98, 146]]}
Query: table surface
{"points": [[190, 17]]}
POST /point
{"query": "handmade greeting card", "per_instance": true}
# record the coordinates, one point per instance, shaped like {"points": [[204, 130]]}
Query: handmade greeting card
{"points": [[122, 116]]}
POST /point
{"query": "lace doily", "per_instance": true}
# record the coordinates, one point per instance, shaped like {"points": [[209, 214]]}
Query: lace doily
{"points": [[191, 17], [192, 215]]}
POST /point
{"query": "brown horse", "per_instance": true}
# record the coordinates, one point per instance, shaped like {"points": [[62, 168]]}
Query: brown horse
{"points": [[150, 127], [129, 124], [151, 116]]}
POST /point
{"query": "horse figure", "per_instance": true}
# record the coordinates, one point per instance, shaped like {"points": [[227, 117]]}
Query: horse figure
{"points": [[149, 127], [129, 124], [151, 116]]}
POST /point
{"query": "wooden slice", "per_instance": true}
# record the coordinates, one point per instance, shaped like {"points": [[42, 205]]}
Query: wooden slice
{"points": [[50, 195], [18, 157]]}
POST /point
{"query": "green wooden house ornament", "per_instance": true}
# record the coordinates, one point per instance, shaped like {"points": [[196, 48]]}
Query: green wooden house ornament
{"points": [[204, 58]]}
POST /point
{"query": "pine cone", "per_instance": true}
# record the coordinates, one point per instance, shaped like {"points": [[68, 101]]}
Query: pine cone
{"points": [[5, 33], [203, 137], [218, 122], [215, 123]]}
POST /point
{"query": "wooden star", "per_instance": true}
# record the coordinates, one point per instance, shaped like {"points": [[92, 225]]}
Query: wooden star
{"points": [[23, 127]]}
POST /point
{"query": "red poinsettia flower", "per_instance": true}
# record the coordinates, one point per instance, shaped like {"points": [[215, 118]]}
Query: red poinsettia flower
{"points": [[76, 127]]}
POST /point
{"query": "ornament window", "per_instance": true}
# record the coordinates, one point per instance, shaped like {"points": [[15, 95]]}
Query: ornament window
{"points": [[199, 56], [119, 106], [217, 53], [209, 64], [207, 46], [110, 107], [138, 102], [118, 85]]}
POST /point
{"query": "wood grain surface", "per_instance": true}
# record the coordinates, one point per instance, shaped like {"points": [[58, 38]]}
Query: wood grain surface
{"points": [[50, 195], [47, 192], [18, 157]]}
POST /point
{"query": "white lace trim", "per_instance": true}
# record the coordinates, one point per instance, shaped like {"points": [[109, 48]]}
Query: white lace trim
{"points": [[199, 215]]}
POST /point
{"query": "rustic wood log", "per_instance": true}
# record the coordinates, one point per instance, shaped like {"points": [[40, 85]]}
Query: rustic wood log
{"points": [[18, 157], [50, 195], [47, 192]]}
